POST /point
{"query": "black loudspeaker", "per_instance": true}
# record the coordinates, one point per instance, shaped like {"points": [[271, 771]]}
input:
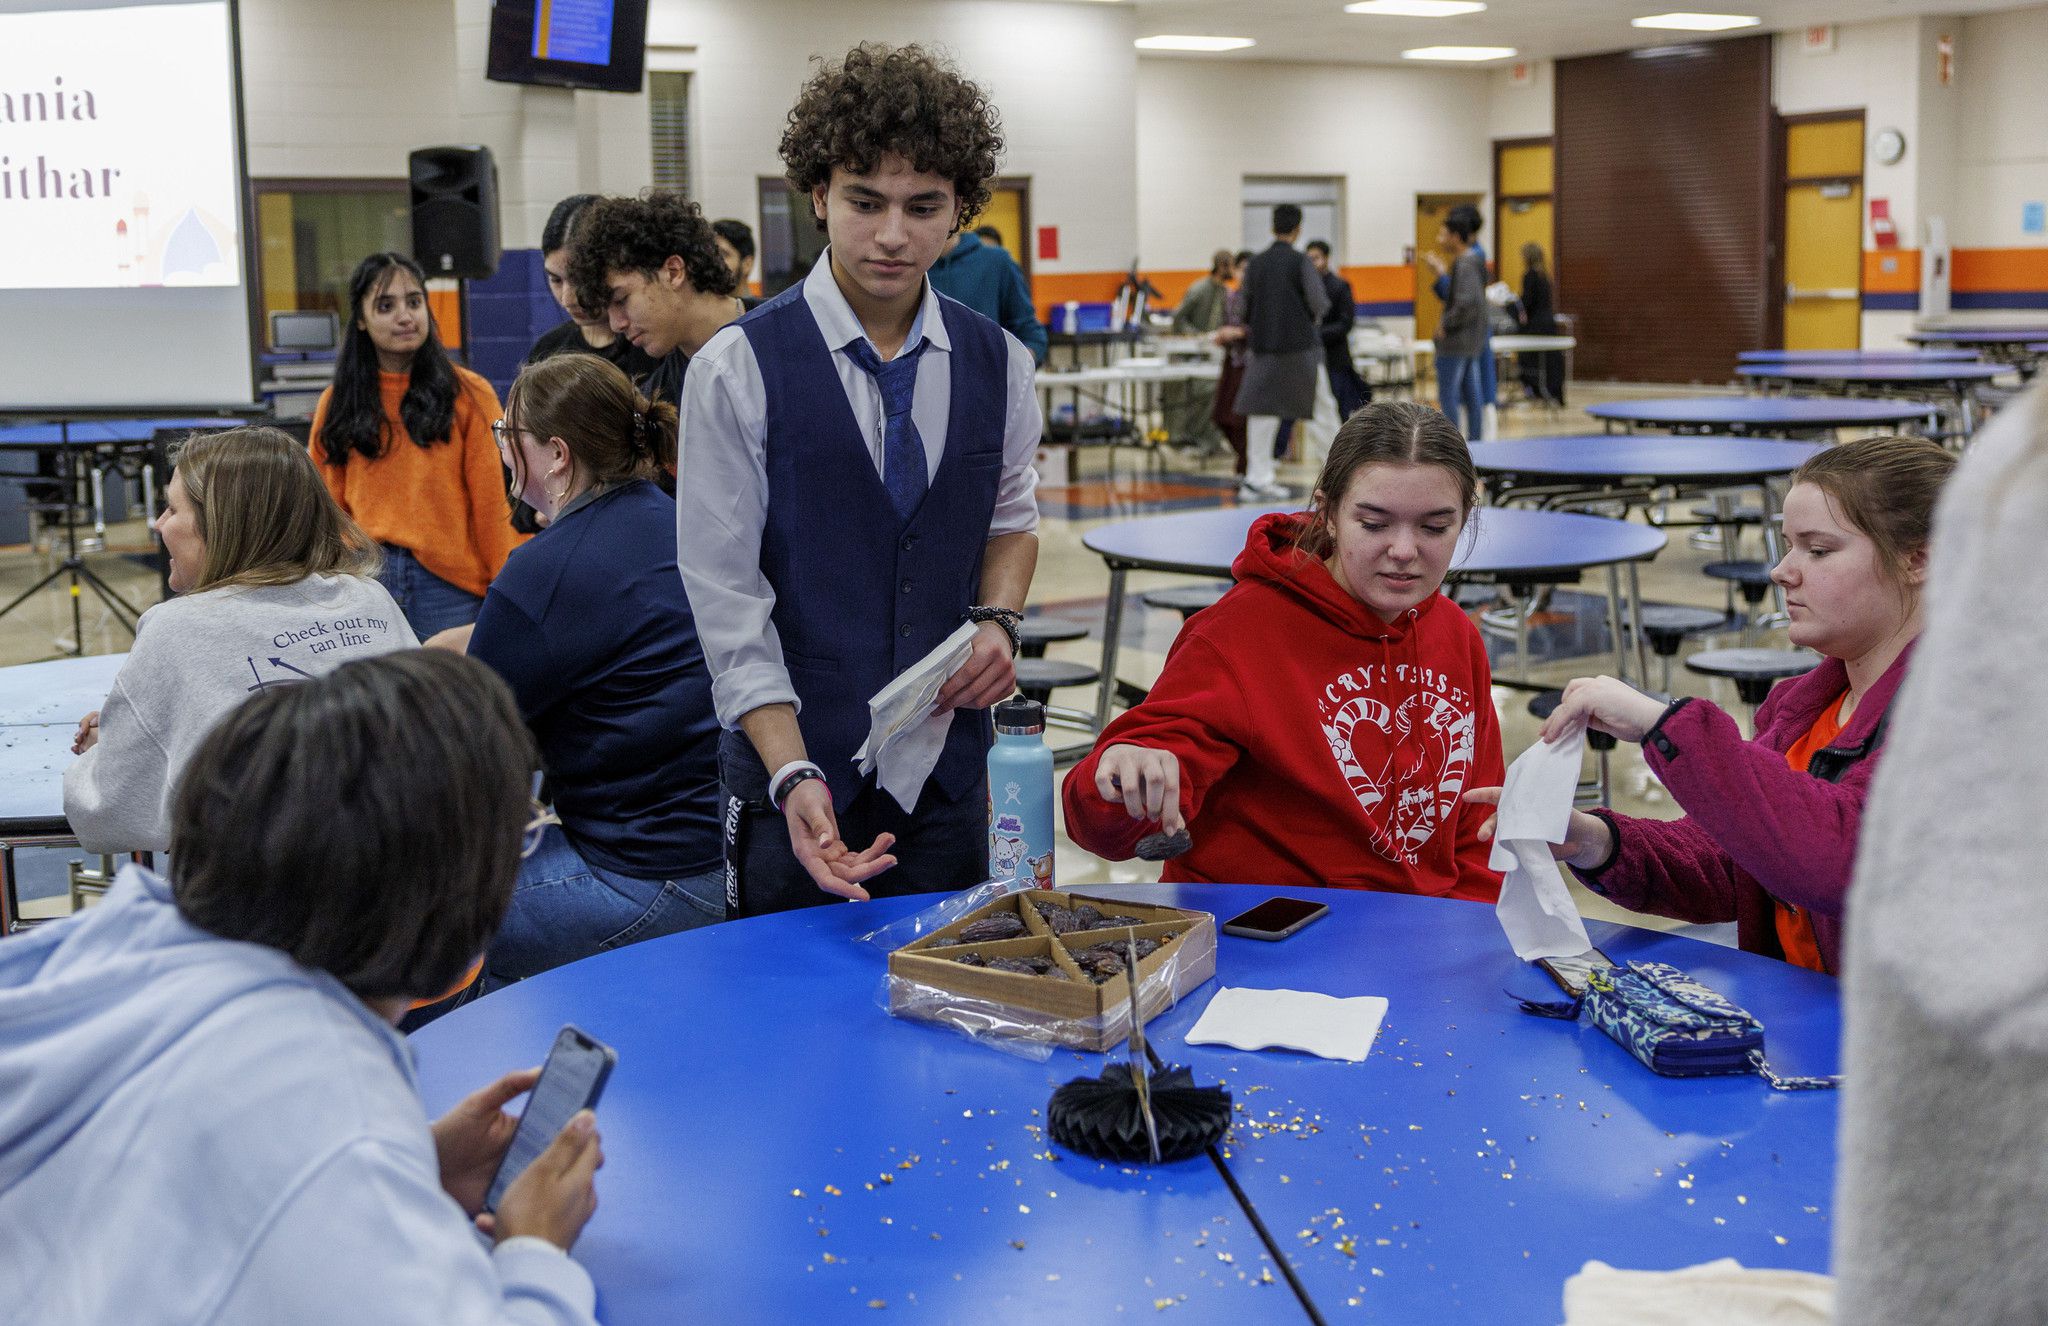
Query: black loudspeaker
{"points": [[455, 211]]}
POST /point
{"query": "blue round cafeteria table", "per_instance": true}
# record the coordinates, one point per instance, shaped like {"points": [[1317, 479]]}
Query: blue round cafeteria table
{"points": [[1767, 415], [1622, 458], [779, 1149], [1855, 357], [1506, 544]]}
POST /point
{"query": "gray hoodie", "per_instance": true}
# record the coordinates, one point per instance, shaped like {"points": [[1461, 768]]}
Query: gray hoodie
{"points": [[195, 1129], [195, 658]]}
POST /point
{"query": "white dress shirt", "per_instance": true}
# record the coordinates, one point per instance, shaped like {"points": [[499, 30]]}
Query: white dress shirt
{"points": [[722, 477]]}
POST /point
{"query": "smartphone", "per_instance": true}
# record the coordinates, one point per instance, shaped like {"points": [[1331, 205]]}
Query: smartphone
{"points": [[571, 1080], [1275, 918], [1570, 973]]}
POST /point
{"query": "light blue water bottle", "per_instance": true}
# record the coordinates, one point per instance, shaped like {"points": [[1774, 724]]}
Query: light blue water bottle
{"points": [[1020, 796]]}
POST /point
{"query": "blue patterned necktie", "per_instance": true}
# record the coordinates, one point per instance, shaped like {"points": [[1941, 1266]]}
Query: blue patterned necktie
{"points": [[903, 460]]}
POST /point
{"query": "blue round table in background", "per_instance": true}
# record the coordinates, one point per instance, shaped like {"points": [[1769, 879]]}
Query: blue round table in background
{"points": [[1504, 544], [779, 1149], [1769, 415], [1855, 357], [1623, 458]]}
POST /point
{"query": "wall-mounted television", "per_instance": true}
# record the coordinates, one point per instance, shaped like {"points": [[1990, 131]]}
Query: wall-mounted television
{"points": [[597, 44]]}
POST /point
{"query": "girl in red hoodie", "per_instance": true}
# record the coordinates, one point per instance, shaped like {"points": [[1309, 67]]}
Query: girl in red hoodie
{"points": [[1317, 726]]}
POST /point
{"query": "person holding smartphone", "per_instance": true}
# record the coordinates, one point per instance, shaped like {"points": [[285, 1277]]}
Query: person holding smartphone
{"points": [[209, 1116], [1769, 836]]}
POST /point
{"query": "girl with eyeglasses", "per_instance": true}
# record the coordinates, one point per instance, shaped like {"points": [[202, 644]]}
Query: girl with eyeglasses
{"points": [[590, 625]]}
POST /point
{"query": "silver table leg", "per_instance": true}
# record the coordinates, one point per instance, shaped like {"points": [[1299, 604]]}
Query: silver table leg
{"points": [[1112, 629], [1614, 623], [1635, 603]]}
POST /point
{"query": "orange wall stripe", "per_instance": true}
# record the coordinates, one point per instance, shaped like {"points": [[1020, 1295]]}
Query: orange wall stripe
{"points": [[1999, 269], [1902, 279]]}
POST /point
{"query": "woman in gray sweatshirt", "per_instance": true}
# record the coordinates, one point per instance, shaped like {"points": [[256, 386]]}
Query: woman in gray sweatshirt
{"points": [[274, 585]]}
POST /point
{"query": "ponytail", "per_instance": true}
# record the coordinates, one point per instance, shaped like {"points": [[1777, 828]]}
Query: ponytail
{"points": [[614, 434]]}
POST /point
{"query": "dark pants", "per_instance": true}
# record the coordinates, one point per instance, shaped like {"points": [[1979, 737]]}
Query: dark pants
{"points": [[1224, 413], [941, 847], [1351, 390]]}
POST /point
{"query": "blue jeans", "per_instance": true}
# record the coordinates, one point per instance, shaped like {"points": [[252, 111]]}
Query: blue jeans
{"points": [[564, 908], [430, 604], [1459, 385]]}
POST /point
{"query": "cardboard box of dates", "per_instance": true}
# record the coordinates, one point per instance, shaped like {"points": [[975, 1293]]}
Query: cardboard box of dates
{"points": [[1048, 965]]}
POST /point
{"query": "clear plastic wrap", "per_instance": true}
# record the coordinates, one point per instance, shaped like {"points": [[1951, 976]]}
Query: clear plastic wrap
{"points": [[1080, 1002]]}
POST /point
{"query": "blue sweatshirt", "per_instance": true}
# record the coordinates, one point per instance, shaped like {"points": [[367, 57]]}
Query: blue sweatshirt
{"points": [[194, 1129], [989, 281], [590, 626]]}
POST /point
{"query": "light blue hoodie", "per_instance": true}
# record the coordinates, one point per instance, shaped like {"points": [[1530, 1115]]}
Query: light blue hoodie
{"points": [[194, 1129]]}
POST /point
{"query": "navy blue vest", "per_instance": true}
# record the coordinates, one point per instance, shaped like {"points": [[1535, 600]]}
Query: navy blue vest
{"points": [[859, 594]]}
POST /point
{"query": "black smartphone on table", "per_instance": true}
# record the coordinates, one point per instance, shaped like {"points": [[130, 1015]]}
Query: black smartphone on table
{"points": [[571, 1081], [1275, 918]]}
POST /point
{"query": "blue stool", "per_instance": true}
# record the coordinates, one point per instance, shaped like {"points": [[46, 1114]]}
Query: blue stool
{"points": [[1754, 671], [1666, 625], [1035, 633], [1753, 579], [1038, 678], [1187, 600]]}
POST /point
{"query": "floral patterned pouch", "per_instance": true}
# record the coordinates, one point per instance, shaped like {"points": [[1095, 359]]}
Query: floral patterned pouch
{"points": [[1675, 1025]]}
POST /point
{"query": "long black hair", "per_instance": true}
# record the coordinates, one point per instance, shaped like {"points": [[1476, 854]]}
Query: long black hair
{"points": [[355, 413]]}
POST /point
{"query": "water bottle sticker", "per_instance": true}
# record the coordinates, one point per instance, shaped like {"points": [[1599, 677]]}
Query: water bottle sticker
{"points": [[1012, 824], [1005, 855]]}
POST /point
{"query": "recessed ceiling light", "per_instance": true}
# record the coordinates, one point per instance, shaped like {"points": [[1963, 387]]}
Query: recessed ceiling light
{"points": [[1467, 53], [1174, 42], [1688, 22], [1415, 8]]}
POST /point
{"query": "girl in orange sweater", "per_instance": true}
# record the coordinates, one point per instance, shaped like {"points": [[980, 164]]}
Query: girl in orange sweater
{"points": [[403, 439]]}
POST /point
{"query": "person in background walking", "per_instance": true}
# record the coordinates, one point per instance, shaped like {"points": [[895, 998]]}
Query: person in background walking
{"points": [[1350, 390], [1461, 340], [1284, 304], [1542, 371]]}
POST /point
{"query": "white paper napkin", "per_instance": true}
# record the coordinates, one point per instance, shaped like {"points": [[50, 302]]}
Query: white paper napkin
{"points": [[1536, 907], [1318, 1024], [1723, 1292]]}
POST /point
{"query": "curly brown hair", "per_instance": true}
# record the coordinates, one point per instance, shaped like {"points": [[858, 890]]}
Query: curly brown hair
{"points": [[901, 99], [639, 235]]}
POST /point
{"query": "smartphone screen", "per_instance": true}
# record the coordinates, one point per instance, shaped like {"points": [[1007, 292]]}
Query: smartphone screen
{"points": [[571, 1080], [1274, 918]]}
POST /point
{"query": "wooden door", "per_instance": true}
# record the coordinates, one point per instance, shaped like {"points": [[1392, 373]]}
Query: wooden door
{"points": [[1430, 211], [1523, 170], [1009, 210], [1824, 233]]}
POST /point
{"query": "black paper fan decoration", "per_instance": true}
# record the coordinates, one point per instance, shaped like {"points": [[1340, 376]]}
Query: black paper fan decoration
{"points": [[1100, 1116]]}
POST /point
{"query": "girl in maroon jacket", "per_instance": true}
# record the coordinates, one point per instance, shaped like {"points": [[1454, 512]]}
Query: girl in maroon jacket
{"points": [[1317, 725], [1769, 837]]}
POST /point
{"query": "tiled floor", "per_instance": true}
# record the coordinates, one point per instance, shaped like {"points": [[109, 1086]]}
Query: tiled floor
{"points": [[1071, 583]]}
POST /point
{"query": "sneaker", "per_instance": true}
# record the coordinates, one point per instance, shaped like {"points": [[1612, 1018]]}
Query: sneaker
{"points": [[1262, 492]]}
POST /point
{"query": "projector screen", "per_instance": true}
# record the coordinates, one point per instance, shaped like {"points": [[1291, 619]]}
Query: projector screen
{"points": [[123, 273]]}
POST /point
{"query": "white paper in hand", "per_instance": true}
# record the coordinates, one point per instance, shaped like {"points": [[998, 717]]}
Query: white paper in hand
{"points": [[1536, 907], [905, 734]]}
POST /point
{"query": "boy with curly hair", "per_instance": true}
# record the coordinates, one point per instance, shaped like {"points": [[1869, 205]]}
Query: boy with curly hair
{"points": [[651, 267], [856, 483]]}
